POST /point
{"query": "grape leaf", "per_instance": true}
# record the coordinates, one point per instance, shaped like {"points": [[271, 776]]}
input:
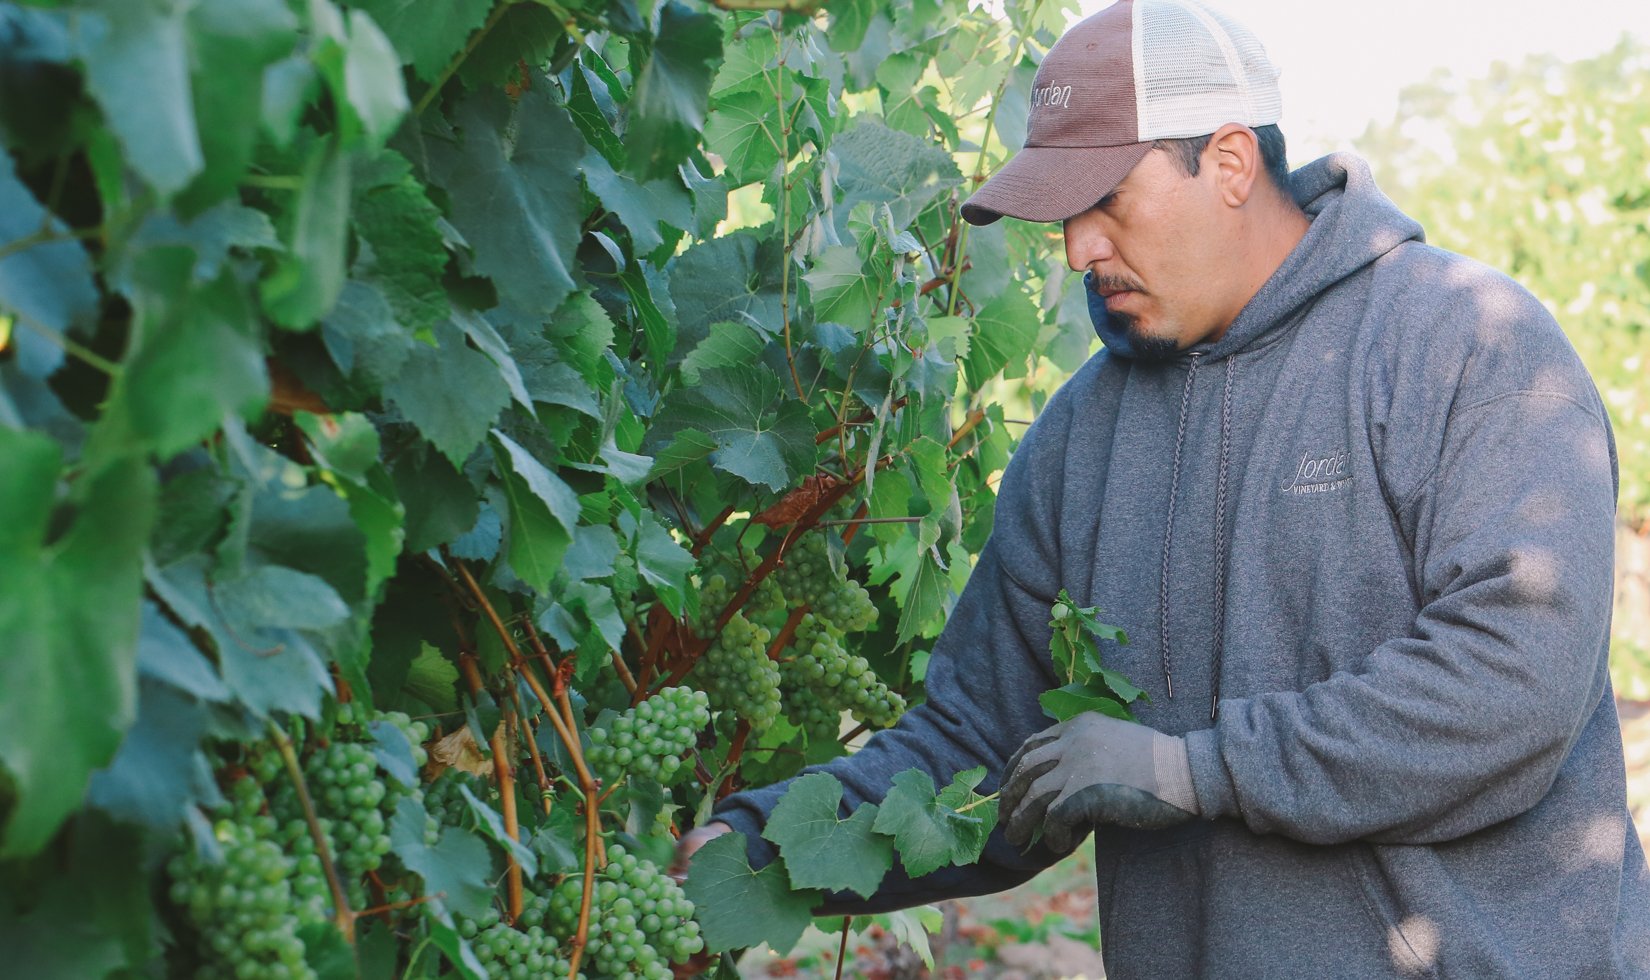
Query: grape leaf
{"points": [[582, 332], [756, 440], [525, 33], [231, 43], [363, 70], [271, 595], [427, 35], [159, 770], [394, 753], [268, 670], [667, 107], [70, 612], [883, 165], [912, 927], [458, 869], [927, 830], [392, 214], [820, 849], [168, 656], [1072, 700], [493, 826], [452, 394], [735, 277], [48, 284], [198, 357], [642, 207], [92, 915], [362, 335], [729, 345], [306, 279], [1004, 331], [210, 234], [517, 200], [543, 513], [746, 63], [136, 54], [738, 907], [662, 562], [841, 290], [488, 341], [744, 133]]}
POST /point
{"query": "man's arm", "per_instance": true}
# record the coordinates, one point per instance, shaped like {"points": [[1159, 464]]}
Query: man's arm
{"points": [[987, 670], [1464, 722]]}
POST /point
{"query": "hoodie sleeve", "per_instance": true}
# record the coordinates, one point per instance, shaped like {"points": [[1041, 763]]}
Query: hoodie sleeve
{"points": [[1464, 722], [987, 669]]}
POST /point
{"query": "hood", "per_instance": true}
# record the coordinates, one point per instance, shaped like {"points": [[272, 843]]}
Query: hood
{"points": [[1353, 224]]}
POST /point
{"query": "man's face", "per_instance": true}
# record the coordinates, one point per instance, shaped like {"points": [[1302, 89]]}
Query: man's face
{"points": [[1153, 246]]}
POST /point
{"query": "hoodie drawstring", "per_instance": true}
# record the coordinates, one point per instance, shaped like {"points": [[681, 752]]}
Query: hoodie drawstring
{"points": [[1220, 529], [1168, 529], [1220, 535]]}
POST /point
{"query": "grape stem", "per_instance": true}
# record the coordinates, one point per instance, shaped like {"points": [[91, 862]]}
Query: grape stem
{"points": [[842, 951], [736, 748], [505, 776], [340, 903], [984, 799], [592, 840], [533, 750], [404, 904]]}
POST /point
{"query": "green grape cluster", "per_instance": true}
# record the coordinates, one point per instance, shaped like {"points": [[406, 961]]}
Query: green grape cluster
{"points": [[508, 953], [714, 595], [640, 921], [806, 576], [624, 586], [241, 908], [348, 793], [651, 740], [311, 896], [356, 720], [821, 665], [803, 706], [447, 805], [767, 603], [739, 675]]}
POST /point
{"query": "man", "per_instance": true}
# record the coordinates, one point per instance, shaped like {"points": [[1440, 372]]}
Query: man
{"points": [[1352, 497]]}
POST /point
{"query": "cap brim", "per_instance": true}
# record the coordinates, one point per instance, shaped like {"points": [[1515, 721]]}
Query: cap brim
{"points": [[1052, 183]]}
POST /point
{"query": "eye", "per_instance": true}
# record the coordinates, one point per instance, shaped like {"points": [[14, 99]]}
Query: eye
{"points": [[1107, 201]]}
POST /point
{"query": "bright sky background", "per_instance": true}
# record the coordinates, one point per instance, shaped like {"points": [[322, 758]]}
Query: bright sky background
{"points": [[1344, 62]]}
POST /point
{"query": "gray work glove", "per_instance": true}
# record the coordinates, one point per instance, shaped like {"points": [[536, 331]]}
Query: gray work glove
{"points": [[1095, 769]]}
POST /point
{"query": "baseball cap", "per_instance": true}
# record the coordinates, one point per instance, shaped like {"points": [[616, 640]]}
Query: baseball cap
{"points": [[1137, 71]]}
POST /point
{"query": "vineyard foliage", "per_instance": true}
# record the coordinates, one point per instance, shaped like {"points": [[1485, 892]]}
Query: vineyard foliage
{"points": [[446, 446]]}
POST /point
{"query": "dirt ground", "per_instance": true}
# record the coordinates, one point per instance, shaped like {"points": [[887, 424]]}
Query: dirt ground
{"points": [[1045, 929]]}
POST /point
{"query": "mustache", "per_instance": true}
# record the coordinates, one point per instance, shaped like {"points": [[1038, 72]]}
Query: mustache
{"points": [[1097, 284]]}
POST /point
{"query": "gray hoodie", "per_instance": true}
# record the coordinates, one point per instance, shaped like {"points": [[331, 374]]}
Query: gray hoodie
{"points": [[1368, 534]]}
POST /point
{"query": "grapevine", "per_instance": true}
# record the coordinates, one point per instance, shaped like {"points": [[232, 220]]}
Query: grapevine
{"points": [[428, 494]]}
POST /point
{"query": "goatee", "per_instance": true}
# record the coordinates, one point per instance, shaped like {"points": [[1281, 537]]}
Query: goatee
{"points": [[1144, 346]]}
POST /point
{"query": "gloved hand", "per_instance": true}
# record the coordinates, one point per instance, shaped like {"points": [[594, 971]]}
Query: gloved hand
{"points": [[1094, 769]]}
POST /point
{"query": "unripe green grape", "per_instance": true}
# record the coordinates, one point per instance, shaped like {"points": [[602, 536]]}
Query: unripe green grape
{"points": [[649, 739], [739, 676], [621, 943]]}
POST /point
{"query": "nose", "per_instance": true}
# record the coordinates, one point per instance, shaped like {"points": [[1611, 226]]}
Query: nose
{"points": [[1086, 242]]}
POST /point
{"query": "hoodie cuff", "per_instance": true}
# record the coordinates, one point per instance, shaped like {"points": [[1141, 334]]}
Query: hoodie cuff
{"points": [[1216, 796]]}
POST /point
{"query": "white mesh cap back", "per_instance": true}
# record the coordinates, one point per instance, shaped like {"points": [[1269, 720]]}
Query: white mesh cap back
{"points": [[1197, 70]]}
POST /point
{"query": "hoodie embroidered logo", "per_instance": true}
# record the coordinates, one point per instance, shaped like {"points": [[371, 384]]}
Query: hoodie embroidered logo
{"points": [[1321, 473]]}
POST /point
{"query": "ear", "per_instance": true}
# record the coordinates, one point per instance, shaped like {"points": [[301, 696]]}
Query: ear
{"points": [[1233, 156]]}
